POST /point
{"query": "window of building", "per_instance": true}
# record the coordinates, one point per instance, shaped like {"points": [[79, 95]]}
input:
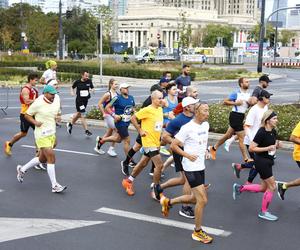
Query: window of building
{"points": [[151, 25]]}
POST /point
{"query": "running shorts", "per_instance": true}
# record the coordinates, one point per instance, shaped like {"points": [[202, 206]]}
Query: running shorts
{"points": [[195, 178], [46, 142], [264, 167], [139, 139], [236, 121], [178, 162], [151, 152], [81, 104], [123, 131], [109, 121], [24, 124]]}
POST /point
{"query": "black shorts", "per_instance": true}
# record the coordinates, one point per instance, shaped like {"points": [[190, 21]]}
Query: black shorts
{"points": [[264, 167], [139, 139], [123, 131], [81, 104], [151, 152], [178, 162], [25, 125], [195, 178], [236, 121], [298, 163]]}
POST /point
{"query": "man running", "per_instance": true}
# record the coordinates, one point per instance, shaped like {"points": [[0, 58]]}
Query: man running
{"points": [[183, 81], [83, 87], [295, 138], [190, 91], [50, 73], [151, 118], [168, 135], [27, 96], [193, 137], [124, 107], [239, 102], [43, 113]]}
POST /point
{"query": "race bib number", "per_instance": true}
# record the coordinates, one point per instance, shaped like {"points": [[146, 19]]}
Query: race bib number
{"points": [[47, 132], [82, 107], [126, 118], [184, 88], [158, 126], [84, 93]]}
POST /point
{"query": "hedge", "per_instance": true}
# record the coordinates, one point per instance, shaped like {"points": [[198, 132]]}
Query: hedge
{"points": [[288, 116]]}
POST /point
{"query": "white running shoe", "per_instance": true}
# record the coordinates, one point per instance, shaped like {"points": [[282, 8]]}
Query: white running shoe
{"points": [[58, 188], [111, 152], [41, 166], [99, 151], [20, 174], [227, 145]]}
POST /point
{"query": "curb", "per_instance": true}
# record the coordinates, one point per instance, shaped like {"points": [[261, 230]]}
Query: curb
{"points": [[288, 146]]}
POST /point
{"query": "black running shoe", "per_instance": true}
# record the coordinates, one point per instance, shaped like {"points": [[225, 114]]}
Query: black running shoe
{"points": [[157, 191], [69, 128], [280, 190], [125, 168], [88, 133], [187, 211]]}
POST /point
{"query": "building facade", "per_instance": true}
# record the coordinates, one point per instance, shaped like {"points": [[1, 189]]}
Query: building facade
{"points": [[282, 15], [147, 21], [3, 3]]}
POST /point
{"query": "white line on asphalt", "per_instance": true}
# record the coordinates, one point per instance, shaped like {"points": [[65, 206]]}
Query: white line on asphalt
{"points": [[64, 150], [1, 190], [161, 221]]}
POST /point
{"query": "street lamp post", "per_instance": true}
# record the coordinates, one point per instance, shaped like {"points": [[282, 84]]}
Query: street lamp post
{"points": [[101, 50], [60, 36], [261, 37]]}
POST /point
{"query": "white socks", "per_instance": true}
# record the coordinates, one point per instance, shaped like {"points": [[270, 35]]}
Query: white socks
{"points": [[51, 173], [35, 161]]}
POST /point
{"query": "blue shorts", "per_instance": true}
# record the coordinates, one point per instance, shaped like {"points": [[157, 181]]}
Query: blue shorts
{"points": [[123, 131]]}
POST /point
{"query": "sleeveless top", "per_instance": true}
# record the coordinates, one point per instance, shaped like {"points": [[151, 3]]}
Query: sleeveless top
{"points": [[33, 94]]}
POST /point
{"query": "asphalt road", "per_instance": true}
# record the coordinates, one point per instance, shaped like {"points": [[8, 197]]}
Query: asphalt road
{"points": [[69, 220]]}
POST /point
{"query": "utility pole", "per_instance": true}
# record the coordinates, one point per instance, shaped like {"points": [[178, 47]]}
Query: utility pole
{"points": [[261, 37], [60, 37], [276, 33], [100, 49]]}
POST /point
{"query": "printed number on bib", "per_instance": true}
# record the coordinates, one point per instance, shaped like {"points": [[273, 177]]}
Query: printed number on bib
{"points": [[84, 93], [82, 107], [184, 88], [158, 126], [126, 118]]}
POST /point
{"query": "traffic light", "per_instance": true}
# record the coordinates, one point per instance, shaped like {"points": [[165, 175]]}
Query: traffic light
{"points": [[98, 31], [68, 14], [272, 40]]}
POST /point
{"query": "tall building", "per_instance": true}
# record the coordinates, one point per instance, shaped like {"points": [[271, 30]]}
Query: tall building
{"points": [[3, 3], [282, 15], [146, 21], [120, 5]]}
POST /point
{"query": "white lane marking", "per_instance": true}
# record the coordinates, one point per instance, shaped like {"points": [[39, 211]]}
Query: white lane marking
{"points": [[1, 190], [64, 150], [161, 221], [18, 228]]}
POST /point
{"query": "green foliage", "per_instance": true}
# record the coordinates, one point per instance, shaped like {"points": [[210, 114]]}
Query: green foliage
{"points": [[185, 30], [254, 33], [94, 113], [212, 31], [288, 116], [286, 36]]}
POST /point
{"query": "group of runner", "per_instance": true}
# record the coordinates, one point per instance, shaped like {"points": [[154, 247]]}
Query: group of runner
{"points": [[171, 115]]}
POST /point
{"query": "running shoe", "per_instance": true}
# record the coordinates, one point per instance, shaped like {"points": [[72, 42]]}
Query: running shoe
{"points": [[164, 151], [69, 128], [157, 191], [41, 166], [172, 165], [142, 150], [202, 236], [236, 190], [111, 152], [128, 186], [58, 188], [280, 190], [187, 212], [20, 174], [236, 169], [124, 168], [165, 205], [152, 193], [267, 216], [207, 186], [97, 148], [88, 133], [7, 148], [132, 163], [162, 175], [227, 145], [212, 152]]}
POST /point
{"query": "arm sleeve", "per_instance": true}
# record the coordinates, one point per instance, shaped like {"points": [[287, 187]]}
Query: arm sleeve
{"points": [[142, 113], [74, 85], [256, 92], [172, 127], [250, 118], [32, 110], [259, 137], [181, 135], [233, 96], [92, 85], [296, 131]]}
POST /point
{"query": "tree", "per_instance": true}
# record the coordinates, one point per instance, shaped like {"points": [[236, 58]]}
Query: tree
{"points": [[211, 32], [184, 30], [286, 36], [254, 33]]}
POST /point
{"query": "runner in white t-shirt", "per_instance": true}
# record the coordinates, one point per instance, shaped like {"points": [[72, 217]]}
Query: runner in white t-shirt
{"points": [[193, 138], [252, 125], [43, 113], [50, 73]]}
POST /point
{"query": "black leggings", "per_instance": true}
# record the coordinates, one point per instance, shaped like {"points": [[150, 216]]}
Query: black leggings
{"points": [[251, 165]]}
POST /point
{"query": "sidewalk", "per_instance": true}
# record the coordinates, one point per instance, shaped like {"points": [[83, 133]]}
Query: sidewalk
{"points": [[212, 136]]}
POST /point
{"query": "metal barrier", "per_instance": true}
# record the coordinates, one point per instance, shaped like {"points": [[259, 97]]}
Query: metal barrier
{"points": [[4, 92]]}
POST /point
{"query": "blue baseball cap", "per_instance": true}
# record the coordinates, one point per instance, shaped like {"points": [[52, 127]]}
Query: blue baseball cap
{"points": [[163, 79], [49, 89]]}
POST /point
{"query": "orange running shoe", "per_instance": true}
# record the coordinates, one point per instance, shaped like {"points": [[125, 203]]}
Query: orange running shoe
{"points": [[202, 237], [128, 186], [165, 205], [213, 153], [7, 148]]}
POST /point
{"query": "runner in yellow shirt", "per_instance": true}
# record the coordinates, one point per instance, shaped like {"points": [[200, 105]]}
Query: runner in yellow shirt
{"points": [[151, 118], [43, 113], [295, 138]]}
